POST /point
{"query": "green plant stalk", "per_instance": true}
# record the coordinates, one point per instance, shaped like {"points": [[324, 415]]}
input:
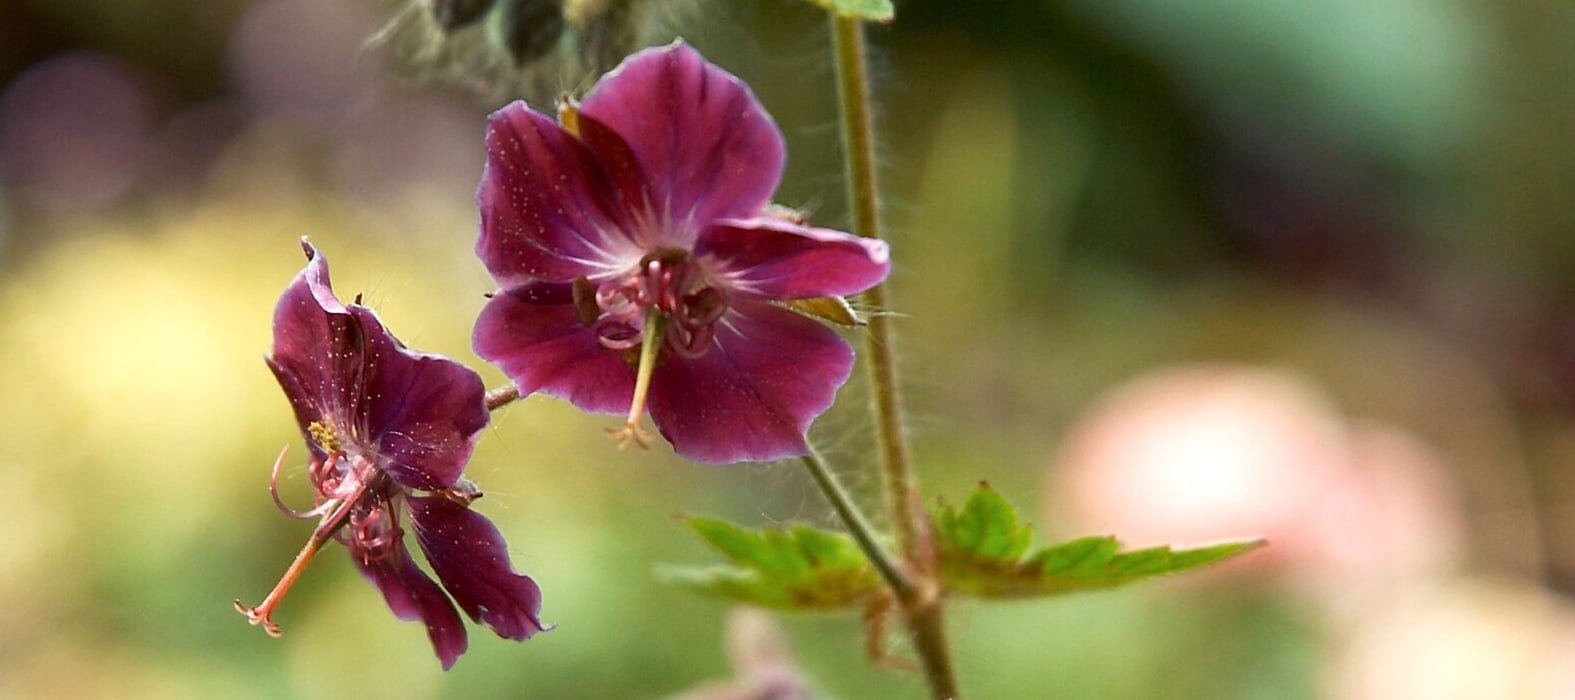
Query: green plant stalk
{"points": [[858, 142], [920, 598], [858, 525]]}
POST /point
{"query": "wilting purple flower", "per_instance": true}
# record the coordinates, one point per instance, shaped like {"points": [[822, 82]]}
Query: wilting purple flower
{"points": [[389, 427], [640, 263]]}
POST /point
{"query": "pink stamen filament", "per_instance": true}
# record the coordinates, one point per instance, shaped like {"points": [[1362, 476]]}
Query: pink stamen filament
{"points": [[273, 490]]}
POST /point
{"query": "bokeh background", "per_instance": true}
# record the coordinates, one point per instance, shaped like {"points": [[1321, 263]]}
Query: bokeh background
{"points": [[1175, 271]]}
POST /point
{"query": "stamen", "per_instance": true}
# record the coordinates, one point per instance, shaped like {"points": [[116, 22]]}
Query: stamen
{"points": [[617, 335], [702, 307], [585, 300], [374, 532], [569, 115], [650, 346], [273, 490], [324, 436], [690, 344]]}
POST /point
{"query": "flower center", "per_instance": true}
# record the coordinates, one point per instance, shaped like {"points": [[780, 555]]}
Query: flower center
{"points": [[356, 502], [675, 286], [666, 302]]}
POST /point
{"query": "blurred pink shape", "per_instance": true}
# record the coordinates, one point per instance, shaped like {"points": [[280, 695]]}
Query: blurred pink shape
{"points": [[1202, 453], [300, 59], [74, 131], [408, 142], [761, 659]]}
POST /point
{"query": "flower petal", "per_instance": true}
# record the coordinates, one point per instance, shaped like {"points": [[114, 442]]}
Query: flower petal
{"points": [[535, 334], [316, 349], [778, 259], [423, 411], [468, 555], [754, 393], [413, 596], [707, 147], [548, 209], [418, 413]]}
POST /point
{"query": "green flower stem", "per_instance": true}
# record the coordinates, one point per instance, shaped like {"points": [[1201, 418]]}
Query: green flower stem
{"points": [[858, 142], [921, 602], [919, 598], [858, 525]]}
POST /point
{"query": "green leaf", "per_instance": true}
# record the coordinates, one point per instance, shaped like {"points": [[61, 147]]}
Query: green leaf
{"points": [[984, 550], [875, 10], [799, 568]]}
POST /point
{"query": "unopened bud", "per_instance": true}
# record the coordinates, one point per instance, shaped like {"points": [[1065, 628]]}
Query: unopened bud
{"points": [[606, 31], [453, 14], [531, 28]]}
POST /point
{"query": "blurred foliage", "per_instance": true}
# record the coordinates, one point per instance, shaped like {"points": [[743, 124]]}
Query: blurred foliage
{"points": [[797, 568], [1374, 194]]}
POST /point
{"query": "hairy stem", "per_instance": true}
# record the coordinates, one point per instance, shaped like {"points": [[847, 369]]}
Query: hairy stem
{"points": [[919, 596], [858, 525], [858, 144]]}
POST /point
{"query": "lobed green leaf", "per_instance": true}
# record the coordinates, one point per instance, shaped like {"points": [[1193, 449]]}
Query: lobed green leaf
{"points": [[984, 552], [800, 568]]}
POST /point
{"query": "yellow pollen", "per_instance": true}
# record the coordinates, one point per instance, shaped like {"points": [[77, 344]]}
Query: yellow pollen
{"points": [[324, 437]]}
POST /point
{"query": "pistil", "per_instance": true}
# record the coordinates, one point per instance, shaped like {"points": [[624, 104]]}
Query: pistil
{"points": [[651, 341], [263, 613], [337, 511]]}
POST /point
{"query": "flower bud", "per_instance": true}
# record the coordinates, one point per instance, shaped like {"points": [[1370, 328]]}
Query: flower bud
{"points": [[454, 14], [606, 31], [531, 28]]}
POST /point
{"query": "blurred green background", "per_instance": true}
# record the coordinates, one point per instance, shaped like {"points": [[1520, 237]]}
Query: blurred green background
{"points": [[1326, 243]]}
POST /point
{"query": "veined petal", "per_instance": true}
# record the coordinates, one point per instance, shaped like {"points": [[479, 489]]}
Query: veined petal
{"points": [[706, 146], [413, 596], [755, 391], [536, 336], [627, 175], [423, 411], [339, 366], [778, 259], [317, 349], [468, 555], [548, 211]]}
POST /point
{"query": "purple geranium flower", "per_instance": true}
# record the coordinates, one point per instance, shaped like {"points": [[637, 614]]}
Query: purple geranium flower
{"points": [[388, 426], [642, 265]]}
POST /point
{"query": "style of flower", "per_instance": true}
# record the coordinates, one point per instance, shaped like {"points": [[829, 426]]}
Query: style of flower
{"points": [[642, 265], [390, 429]]}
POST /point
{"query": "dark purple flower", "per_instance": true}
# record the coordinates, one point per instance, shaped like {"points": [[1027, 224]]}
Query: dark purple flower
{"points": [[641, 265], [390, 429]]}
